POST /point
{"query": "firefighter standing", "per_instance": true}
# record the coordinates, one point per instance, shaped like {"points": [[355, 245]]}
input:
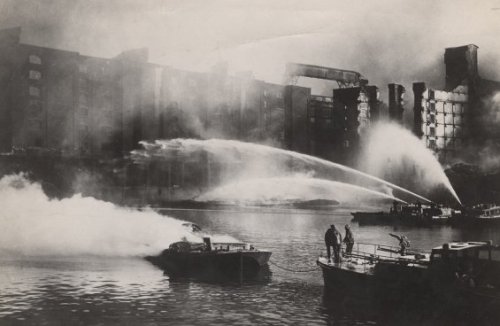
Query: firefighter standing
{"points": [[348, 240], [333, 238]]}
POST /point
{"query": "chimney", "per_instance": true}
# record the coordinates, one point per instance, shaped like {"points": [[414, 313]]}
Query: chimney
{"points": [[396, 102]]}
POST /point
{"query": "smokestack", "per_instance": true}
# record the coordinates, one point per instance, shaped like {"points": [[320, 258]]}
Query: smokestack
{"points": [[418, 95], [396, 102], [461, 65]]}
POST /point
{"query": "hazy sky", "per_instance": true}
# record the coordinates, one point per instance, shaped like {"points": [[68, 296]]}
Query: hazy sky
{"points": [[387, 41]]}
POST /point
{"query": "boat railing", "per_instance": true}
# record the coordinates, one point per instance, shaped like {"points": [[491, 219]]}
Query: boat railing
{"points": [[381, 252]]}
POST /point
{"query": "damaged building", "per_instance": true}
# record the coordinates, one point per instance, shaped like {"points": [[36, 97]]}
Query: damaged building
{"points": [[463, 115], [67, 104], [330, 127]]}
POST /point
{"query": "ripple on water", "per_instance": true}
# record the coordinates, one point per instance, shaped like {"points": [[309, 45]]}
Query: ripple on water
{"points": [[84, 290]]}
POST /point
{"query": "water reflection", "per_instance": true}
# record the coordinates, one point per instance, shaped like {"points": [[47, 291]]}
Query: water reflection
{"points": [[261, 277]]}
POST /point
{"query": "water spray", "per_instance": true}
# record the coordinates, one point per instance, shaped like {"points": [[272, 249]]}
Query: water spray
{"points": [[291, 190], [405, 150], [225, 149]]}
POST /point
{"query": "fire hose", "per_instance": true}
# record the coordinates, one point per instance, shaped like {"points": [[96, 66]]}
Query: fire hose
{"points": [[292, 270]]}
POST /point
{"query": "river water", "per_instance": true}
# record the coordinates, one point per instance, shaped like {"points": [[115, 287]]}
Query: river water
{"points": [[88, 290]]}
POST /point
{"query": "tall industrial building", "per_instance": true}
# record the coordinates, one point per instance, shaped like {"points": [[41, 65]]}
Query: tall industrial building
{"points": [[76, 105], [463, 115], [330, 127], [396, 102]]}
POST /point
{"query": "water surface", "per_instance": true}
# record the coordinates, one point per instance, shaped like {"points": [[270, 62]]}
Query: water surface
{"points": [[89, 290]]}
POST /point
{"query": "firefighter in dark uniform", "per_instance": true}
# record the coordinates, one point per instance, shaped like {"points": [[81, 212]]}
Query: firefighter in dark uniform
{"points": [[348, 240], [333, 238]]}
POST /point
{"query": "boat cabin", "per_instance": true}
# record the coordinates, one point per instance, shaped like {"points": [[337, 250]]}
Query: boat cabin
{"points": [[493, 212], [464, 250], [478, 260], [208, 245]]}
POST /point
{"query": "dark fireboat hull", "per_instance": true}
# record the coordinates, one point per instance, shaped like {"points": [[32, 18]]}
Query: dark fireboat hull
{"points": [[389, 284], [341, 280], [383, 218], [212, 264]]}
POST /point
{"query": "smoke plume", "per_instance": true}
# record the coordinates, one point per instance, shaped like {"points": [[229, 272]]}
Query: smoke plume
{"points": [[32, 224]]}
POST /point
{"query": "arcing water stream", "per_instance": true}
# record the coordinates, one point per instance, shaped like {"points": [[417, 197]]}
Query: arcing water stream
{"points": [[291, 189], [391, 149], [259, 160]]}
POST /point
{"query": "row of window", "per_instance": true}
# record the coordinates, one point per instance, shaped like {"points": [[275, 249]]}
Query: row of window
{"points": [[441, 128], [443, 144], [441, 132], [447, 122], [443, 107], [443, 119], [454, 114], [35, 75]]}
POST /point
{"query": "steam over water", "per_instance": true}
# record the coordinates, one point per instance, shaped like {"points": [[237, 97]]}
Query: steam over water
{"points": [[394, 152], [33, 224], [260, 161], [290, 190]]}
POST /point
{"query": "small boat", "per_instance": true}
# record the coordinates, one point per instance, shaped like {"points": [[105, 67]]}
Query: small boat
{"points": [[462, 271], [209, 260]]}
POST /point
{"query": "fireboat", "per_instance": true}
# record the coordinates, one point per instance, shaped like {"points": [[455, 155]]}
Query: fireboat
{"points": [[211, 261], [412, 214], [456, 271]]}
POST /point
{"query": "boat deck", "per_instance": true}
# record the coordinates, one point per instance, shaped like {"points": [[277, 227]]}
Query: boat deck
{"points": [[351, 264], [364, 256]]}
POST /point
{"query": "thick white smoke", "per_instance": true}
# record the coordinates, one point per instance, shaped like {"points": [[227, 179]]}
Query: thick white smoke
{"points": [[33, 224]]}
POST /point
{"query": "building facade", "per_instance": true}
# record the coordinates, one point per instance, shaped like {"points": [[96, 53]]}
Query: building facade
{"points": [[460, 120], [396, 102], [440, 118], [77, 105], [330, 127], [38, 91]]}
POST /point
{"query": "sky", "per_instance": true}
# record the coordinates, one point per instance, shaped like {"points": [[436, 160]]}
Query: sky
{"points": [[385, 40]]}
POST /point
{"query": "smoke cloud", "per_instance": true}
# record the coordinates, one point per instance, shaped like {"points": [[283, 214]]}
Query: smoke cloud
{"points": [[32, 224]]}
